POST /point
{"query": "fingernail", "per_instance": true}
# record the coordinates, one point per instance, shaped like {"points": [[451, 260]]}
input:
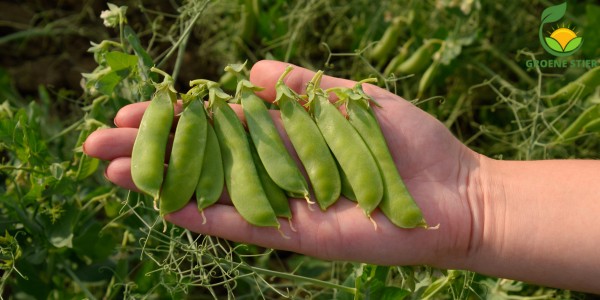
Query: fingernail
{"points": [[106, 174], [83, 148]]}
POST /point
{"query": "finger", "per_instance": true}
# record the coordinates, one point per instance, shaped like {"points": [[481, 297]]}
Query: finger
{"points": [[118, 172], [130, 115], [265, 73], [110, 143], [341, 233]]}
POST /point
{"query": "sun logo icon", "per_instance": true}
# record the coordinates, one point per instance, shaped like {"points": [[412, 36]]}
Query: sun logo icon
{"points": [[562, 41]]}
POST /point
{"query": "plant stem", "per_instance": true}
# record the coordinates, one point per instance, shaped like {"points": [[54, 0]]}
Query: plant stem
{"points": [[79, 283], [183, 36], [289, 276]]}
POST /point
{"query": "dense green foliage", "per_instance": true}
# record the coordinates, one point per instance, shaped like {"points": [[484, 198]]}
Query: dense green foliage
{"points": [[66, 232]]}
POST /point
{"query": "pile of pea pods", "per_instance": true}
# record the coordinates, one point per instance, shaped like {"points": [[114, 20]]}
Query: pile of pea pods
{"points": [[212, 149]]}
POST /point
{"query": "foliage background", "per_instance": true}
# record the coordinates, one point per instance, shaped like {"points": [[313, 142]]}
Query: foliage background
{"points": [[68, 233]]}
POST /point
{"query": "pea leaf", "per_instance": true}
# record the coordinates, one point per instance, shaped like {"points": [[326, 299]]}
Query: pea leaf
{"points": [[120, 61], [145, 61], [87, 166], [107, 83], [554, 13], [60, 232], [393, 293]]}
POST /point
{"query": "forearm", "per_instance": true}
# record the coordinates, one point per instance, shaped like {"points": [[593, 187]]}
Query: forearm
{"points": [[538, 221]]}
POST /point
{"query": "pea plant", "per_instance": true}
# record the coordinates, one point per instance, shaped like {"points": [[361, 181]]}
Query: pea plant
{"points": [[66, 233]]}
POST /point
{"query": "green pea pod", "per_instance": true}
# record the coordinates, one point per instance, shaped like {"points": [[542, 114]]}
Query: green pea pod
{"points": [[149, 148], [585, 85], [427, 78], [578, 126], [277, 198], [419, 60], [347, 146], [309, 144], [346, 188], [397, 203], [211, 182], [398, 59], [241, 177], [187, 154], [592, 126], [279, 163], [388, 41]]}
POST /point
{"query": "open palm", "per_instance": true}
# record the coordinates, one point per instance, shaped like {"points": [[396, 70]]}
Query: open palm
{"points": [[436, 167]]}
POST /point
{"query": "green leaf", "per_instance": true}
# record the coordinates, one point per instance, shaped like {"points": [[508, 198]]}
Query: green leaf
{"points": [[554, 13], [574, 44], [94, 244], [120, 61], [107, 83], [60, 232], [87, 166], [370, 281], [553, 44], [145, 61], [393, 293]]}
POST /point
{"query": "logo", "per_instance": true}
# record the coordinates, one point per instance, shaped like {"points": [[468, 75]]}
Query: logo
{"points": [[563, 40]]}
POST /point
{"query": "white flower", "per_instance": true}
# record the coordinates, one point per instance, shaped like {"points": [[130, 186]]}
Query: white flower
{"points": [[114, 15]]}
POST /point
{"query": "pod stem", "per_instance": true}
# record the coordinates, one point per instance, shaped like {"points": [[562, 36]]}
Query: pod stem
{"points": [[287, 71], [167, 76]]}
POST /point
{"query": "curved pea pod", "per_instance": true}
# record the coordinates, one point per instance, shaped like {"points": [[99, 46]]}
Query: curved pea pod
{"points": [[241, 178], [348, 147], [388, 41], [211, 181], [398, 59], [187, 155], [427, 78], [581, 124], [397, 203], [149, 148], [583, 86], [419, 60], [593, 126], [309, 144], [277, 198], [277, 161]]}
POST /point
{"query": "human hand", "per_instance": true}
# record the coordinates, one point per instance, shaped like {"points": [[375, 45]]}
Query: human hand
{"points": [[437, 169]]}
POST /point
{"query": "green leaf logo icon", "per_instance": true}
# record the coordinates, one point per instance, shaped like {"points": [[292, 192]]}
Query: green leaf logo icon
{"points": [[562, 41]]}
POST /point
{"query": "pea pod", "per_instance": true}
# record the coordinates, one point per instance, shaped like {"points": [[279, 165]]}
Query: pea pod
{"points": [[187, 154], [309, 144], [347, 146], [211, 182], [579, 125], [346, 188], [585, 85], [397, 203], [148, 154], [388, 41], [241, 177], [427, 77], [592, 126], [419, 60], [398, 59], [277, 161], [277, 198]]}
